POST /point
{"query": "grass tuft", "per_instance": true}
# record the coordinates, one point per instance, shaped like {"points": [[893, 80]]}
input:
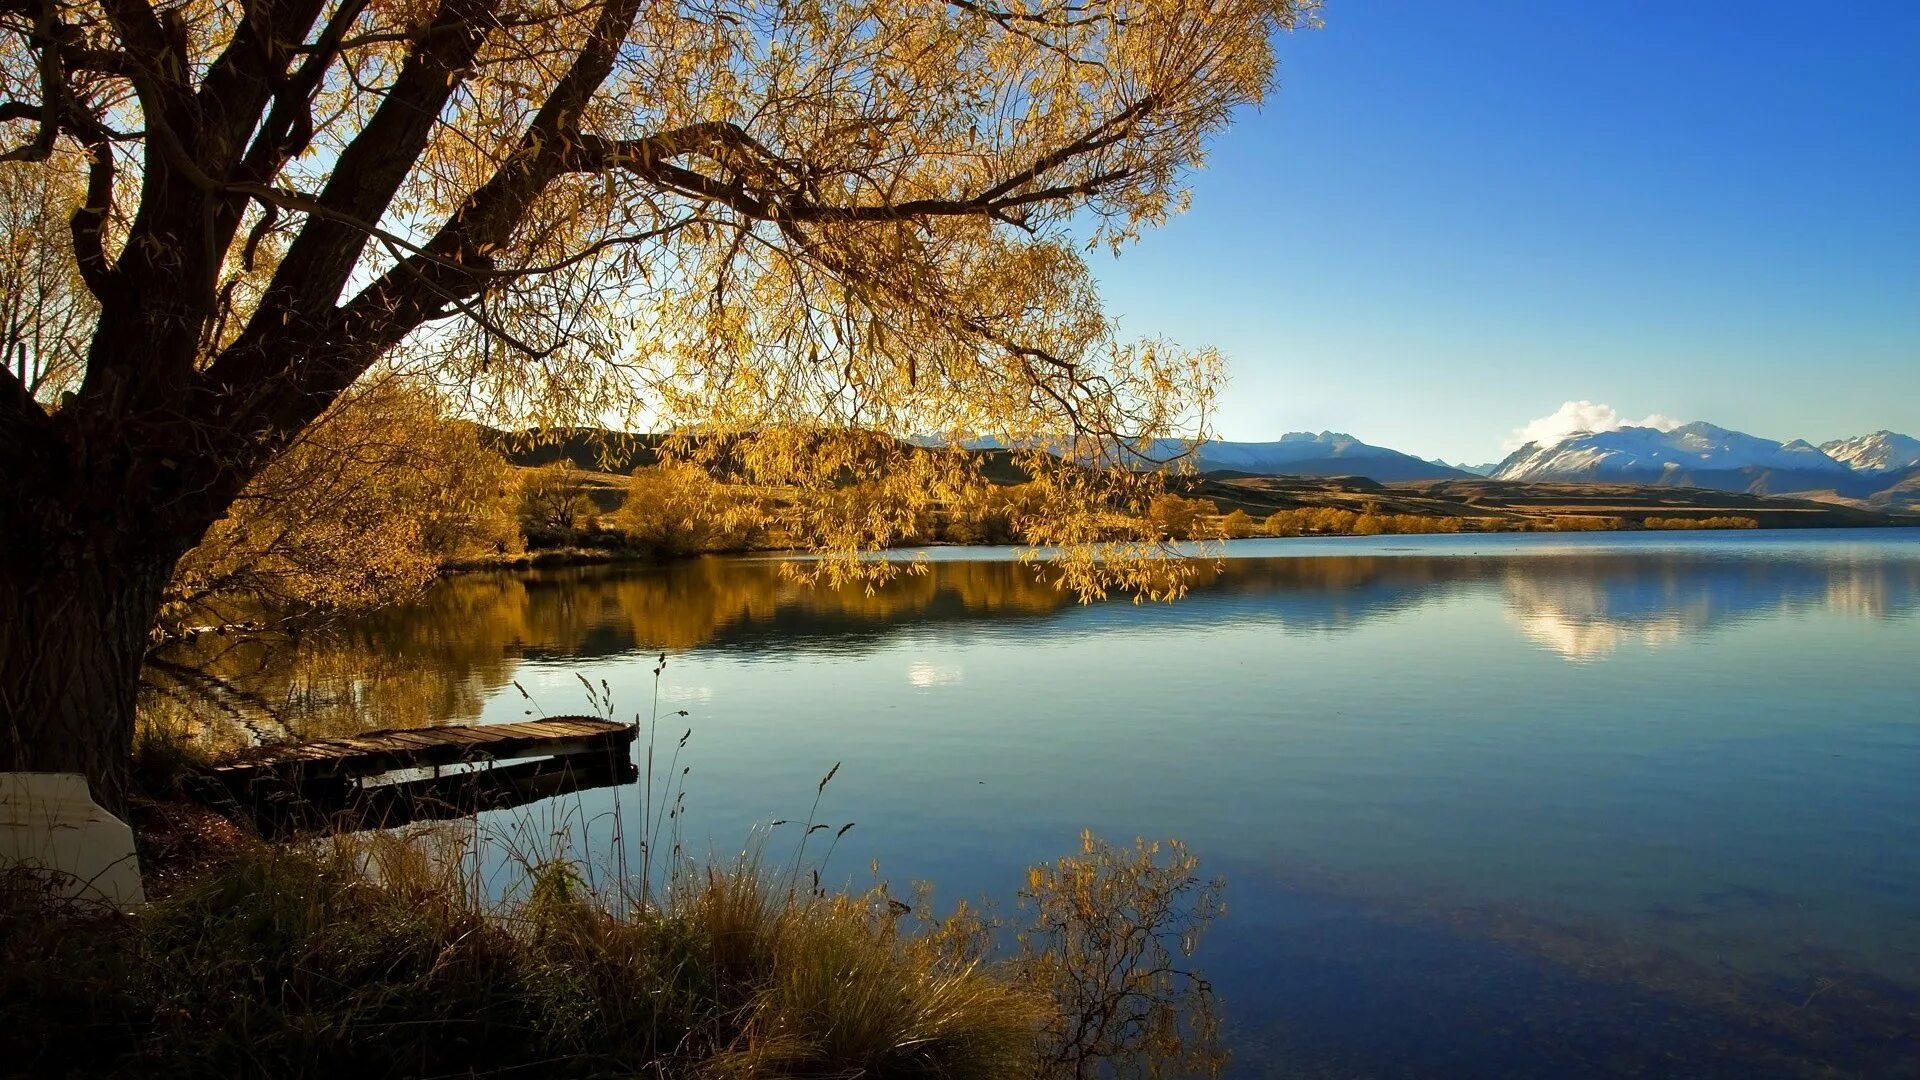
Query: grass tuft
{"points": [[371, 959]]}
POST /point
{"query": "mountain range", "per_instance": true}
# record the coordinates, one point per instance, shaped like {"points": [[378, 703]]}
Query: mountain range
{"points": [[1881, 469], [1695, 455], [1706, 456]]}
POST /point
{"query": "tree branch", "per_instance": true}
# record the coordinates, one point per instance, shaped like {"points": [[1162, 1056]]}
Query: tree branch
{"points": [[88, 221], [53, 87], [372, 167], [649, 157], [248, 74]]}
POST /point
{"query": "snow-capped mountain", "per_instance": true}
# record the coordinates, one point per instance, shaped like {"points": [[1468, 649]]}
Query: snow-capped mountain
{"points": [[1696, 455], [1882, 451], [1303, 453], [1297, 453]]}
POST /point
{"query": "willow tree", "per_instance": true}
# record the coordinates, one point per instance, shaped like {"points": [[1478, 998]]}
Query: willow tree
{"points": [[844, 214]]}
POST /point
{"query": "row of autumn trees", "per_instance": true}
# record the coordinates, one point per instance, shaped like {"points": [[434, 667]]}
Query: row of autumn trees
{"points": [[844, 215], [678, 507], [1178, 517]]}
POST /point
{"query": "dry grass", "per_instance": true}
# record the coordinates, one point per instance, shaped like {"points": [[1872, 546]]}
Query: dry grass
{"points": [[373, 959], [383, 956]]}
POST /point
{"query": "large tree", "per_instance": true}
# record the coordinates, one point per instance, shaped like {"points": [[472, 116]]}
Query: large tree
{"points": [[843, 213]]}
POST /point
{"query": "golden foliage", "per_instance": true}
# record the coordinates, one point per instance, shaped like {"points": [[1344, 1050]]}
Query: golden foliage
{"points": [[1333, 521], [1236, 525], [45, 308], [1585, 523], [676, 507], [554, 499], [1109, 935], [1718, 522], [993, 514], [823, 225], [365, 508], [1175, 517]]}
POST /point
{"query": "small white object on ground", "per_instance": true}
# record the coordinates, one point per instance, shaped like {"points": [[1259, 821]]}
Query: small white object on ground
{"points": [[49, 823]]}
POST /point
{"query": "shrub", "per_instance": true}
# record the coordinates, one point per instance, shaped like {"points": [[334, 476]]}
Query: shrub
{"points": [[678, 508], [1722, 522], [993, 515], [1333, 521], [1586, 523], [1336, 522], [1284, 523], [553, 498], [1177, 517], [1107, 932], [362, 510], [1413, 524]]}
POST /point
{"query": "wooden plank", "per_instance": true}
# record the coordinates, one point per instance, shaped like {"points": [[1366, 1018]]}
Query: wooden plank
{"points": [[384, 751], [423, 737]]}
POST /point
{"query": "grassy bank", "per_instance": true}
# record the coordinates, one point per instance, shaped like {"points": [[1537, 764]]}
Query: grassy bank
{"points": [[379, 956]]}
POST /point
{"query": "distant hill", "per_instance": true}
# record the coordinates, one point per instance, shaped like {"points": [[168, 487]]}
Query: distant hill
{"points": [[1901, 495], [1485, 469], [1304, 453], [592, 449], [1518, 501], [619, 453], [1300, 453]]}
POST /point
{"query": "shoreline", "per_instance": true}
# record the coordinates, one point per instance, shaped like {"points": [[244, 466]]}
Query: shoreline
{"points": [[565, 558]]}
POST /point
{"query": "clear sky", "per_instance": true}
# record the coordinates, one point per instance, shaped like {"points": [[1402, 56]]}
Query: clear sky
{"points": [[1453, 218]]}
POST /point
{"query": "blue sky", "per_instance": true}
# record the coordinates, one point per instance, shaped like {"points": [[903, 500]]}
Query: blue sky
{"points": [[1451, 219]]}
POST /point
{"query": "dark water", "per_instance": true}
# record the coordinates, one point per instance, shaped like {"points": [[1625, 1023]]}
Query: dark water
{"points": [[1524, 805]]}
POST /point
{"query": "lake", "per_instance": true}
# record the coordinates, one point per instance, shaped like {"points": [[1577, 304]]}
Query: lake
{"points": [[1526, 805]]}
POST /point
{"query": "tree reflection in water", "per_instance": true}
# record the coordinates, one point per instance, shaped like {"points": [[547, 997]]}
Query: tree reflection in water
{"points": [[440, 659]]}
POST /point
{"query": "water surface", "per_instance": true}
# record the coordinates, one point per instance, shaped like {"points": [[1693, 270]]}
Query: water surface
{"points": [[1487, 805]]}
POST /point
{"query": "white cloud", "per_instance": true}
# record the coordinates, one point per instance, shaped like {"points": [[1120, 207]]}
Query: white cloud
{"points": [[1578, 417]]}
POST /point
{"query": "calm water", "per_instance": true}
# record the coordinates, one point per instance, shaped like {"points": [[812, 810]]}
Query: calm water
{"points": [[1519, 805]]}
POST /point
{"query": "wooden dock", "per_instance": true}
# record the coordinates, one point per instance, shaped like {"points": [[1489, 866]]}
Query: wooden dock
{"points": [[346, 783]]}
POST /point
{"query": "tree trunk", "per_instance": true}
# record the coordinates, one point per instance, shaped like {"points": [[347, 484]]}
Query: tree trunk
{"points": [[74, 619]]}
